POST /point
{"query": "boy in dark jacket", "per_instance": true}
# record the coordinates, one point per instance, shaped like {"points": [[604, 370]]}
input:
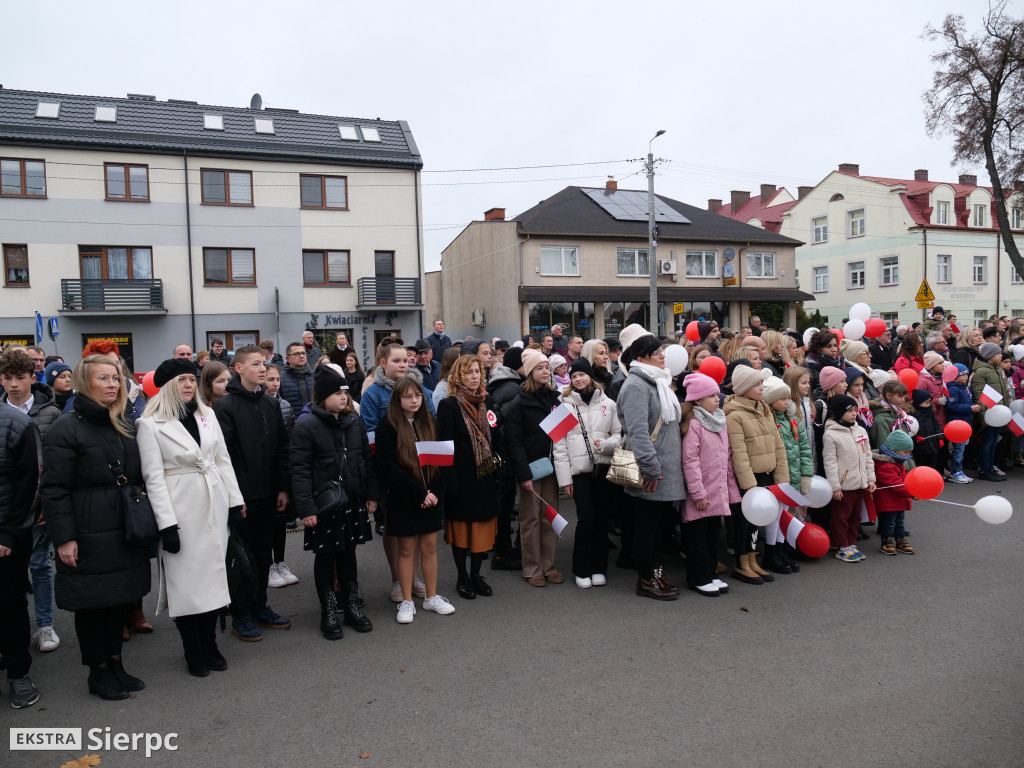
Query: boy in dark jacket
{"points": [[258, 444], [959, 407], [929, 439]]}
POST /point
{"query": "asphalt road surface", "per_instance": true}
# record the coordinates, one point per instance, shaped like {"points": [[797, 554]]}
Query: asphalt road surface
{"points": [[894, 661]]}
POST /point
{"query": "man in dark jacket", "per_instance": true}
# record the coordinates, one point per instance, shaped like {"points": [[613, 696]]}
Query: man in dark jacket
{"points": [[425, 364], [881, 352], [258, 445], [219, 353], [503, 388], [19, 479], [438, 341], [297, 377]]}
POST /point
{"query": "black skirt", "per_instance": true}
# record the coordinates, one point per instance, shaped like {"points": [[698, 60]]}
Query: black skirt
{"points": [[407, 521], [339, 532]]}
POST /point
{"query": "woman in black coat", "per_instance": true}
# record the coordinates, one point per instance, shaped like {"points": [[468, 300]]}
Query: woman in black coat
{"points": [[354, 375], [99, 576], [330, 443], [469, 419]]}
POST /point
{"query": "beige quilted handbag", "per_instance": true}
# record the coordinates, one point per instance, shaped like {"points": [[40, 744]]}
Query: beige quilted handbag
{"points": [[624, 470]]}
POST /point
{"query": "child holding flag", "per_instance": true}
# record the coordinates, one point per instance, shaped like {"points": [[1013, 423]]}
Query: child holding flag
{"points": [[989, 387]]}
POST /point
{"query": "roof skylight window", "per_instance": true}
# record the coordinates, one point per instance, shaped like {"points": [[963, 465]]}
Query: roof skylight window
{"points": [[348, 132], [213, 122], [370, 134], [106, 115], [48, 109], [263, 125]]}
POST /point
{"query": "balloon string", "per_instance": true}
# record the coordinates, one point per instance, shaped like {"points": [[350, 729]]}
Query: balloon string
{"points": [[953, 503]]}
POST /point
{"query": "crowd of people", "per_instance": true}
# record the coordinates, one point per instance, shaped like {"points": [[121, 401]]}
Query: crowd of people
{"points": [[456, 436]]}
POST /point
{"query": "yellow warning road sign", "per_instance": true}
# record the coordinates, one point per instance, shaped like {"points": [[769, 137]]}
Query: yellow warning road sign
{"points": [[924, 293], [679, 309], [925, 304]]}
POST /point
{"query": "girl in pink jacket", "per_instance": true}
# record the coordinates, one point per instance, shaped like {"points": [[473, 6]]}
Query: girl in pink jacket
{"points": [[710, 482]]}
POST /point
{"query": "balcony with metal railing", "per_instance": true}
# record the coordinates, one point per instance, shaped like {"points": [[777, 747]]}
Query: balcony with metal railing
{"points": [[102, 297], [389, 292]]}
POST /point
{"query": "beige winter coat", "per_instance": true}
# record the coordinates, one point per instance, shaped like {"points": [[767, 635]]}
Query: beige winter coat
{"points": [[754, 441], [846, 452]]}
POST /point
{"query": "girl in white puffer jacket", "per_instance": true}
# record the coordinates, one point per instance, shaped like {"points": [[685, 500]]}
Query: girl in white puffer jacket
{"points": [[581, 463]]}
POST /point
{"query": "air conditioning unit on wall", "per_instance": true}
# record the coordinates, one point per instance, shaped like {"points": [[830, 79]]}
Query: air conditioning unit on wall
{"points": [[667, 267], [478, 318]]}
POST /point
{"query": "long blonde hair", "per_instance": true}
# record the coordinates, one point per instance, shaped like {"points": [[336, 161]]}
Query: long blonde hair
{"points": [[167, 404], [771, 340], [81, 383]]}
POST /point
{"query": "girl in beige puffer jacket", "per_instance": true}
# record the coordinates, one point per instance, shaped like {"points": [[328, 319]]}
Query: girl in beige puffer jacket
{"points": [[846, 454]]}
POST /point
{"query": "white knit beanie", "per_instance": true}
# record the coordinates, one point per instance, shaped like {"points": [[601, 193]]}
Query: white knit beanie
{"points": [[775, 389], [631, 333], [745, 377]]}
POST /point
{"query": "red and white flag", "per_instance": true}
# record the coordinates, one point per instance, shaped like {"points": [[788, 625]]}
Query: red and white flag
{"points": [[372, 437], [955, 327], [559, 423], [436, 453], [1016, 424], [557, 521], [789, 496], [990, 396]]}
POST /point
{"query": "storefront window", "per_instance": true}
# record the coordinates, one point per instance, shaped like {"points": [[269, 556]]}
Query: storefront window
{"points": [[618, 315], [575, 319], [716, 311], [583, 319]]}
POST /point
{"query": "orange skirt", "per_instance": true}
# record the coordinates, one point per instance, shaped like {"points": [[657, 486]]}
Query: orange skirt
{"points": [[476, 537]]}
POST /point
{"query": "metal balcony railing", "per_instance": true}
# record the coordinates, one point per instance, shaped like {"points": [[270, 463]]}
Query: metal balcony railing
{"points": [[111, 295], [400, 291]]}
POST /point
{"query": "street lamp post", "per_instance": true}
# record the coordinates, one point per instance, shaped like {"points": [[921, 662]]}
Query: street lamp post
{"points": [[652, 239]]}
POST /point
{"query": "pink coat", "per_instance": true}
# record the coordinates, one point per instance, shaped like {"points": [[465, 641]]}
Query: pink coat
{"points": [[707, 469], [933, 386]]}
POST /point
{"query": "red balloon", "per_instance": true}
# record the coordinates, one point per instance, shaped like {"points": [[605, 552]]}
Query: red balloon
{"points": [[148, 385], [957, 431], [874, 328], [909, 377], [692, 332], [812, 541], [924, 482], [838, 333], [713, 367]]}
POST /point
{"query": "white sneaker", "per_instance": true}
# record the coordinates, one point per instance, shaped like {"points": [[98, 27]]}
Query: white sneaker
{"points": [[286, 574], [46, 639], [406, 610], [275, 579], [438, 604], [584, 582], [396, 593], [419, 589], [598, 580], [722, 586]]}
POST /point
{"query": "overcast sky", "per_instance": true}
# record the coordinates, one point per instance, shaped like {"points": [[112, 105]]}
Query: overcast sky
{"points": [[748, 92]]}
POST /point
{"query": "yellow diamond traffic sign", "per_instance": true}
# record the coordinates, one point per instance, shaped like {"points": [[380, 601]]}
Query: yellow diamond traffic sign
{"points": [[924, 293]]}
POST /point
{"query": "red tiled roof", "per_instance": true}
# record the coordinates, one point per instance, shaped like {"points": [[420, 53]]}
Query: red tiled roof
{"points": [[770, 215], [916, 199]]}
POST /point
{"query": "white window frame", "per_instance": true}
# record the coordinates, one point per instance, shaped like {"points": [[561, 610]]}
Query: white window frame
{"points": [[819, 228], [978, 215], [890, 317], [703, 262], [564, 252], [856, 223], [1014, 277], [636, 262], [979, 270], [766, 258], [893, 269], [1016, 218], [862, 271], [944, 268], [979, 314], [820, 279], [942, 212]]}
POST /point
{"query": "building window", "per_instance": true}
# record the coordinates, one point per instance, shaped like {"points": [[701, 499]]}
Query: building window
{"points": [[555, 260], [229, 266], [889, 270], [233, 340], [324, 192], [15, 265], [942, 212], [325, 268], [22, 178], [979, 215], [979, 315], [227, 187], [701, 264], [116, 263], [127, 182], [1016, 218], [760, 265], [855, 220], [820, 227], [632, 262], [574, 318], [1014, 277], [890, 317], [617, 315], [981, 269], [820, 279], [943, 262], [855, 274]]}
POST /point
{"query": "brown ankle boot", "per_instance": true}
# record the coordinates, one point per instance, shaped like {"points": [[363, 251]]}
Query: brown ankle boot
{"points": [[137, 621], [743, 573], [752, 564]]}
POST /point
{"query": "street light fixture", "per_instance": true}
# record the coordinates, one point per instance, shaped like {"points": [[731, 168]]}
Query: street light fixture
{"points": [[652, 240]]}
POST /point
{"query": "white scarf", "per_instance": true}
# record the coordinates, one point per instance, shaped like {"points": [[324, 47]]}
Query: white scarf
{"points": [[670, 410]]}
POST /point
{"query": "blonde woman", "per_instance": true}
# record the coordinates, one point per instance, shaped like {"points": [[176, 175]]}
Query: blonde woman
{"points": [[596, 352], [775, 355], [191, 485]]}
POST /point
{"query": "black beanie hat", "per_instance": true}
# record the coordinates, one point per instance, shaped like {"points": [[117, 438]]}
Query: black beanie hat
{"points": [[327, 381], [581, 365], [172, 369], [703, 329], [471, 347], [840, 404], [920, 396], [513, 358]]}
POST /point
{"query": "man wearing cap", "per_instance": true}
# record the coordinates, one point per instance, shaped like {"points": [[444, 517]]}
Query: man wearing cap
{"points": [[614, 350], [934, 322], [499, 349], [709, 334], [426, 365], [438, 341]]}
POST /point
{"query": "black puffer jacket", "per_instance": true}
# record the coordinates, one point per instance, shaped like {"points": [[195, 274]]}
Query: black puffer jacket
{"points": [[318, 441], [19, 475], [44, 409], [257, 442], [296, 386], [503, 386], [524, 439], [82, 503]]}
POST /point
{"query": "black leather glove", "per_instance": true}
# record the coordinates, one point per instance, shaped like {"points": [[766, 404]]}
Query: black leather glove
{"points": [[171, 540], [235, 515]]}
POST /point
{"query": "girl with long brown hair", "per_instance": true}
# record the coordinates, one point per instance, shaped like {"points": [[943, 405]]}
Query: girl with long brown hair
{"points": [[213, 382]]}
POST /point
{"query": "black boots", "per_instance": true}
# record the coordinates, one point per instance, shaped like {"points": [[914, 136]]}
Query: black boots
{"points": [[329, 626], [774, 560], [191, 641], [104, 683], [208, 640], [352, 606]]}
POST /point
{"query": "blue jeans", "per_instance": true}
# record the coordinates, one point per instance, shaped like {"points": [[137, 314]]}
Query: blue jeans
{"points": [[891, 524], [956, 461], [42, 576], [987, 448]]}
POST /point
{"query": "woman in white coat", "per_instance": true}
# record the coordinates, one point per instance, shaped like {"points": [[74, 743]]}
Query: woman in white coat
{"points": [[191, 486], [581, 464]]}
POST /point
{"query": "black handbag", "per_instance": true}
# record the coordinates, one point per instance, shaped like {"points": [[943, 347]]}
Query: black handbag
{"points": [[241, 570], [330, 498], [140, 526]]}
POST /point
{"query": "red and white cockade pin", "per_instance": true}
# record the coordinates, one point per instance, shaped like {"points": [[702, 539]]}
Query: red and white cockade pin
{"points": [[492, 418]]}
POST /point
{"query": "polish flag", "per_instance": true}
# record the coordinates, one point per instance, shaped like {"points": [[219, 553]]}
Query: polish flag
{"points": [[955, 327], [990, 396], [557, 521], [1016, 424], [436, 453], [559, 423], [789, 496], [372, 437]]}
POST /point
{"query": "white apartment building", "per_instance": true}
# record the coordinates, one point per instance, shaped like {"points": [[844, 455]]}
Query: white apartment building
{"points": [[157, 223]]}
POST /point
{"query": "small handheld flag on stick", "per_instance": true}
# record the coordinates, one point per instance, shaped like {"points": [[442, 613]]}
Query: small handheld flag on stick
{"points": [[557, 521], [372, 437], [436, 453], [990, 396], [559, 423], [1016, 424]]}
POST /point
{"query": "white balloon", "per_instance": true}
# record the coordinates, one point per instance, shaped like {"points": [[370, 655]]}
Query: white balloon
{"points": [[760, 506], [998, 416], [859, 311], [820, 492], [676, 358], [993, 509], [912, 426], [1017, 406], [854, 329], [808, 334]]}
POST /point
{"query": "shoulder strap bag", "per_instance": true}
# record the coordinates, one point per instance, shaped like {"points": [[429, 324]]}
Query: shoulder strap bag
{"points": [[595, 470], [624, 470], [140, 526]]}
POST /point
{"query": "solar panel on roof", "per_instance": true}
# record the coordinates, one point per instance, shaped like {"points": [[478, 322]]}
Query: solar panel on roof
{"points": [[631, 205]]}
